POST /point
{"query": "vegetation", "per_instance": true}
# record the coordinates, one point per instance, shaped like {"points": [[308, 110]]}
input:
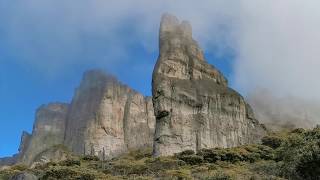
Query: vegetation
{"points": [[283, 155]]}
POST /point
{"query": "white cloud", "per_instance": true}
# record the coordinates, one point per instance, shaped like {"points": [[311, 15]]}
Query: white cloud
{"points": [[277, 42]]}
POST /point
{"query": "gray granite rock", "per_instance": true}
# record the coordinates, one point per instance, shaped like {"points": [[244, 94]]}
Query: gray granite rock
{"points": [[194, 107], [107, 118], [24, 176], [48, 131]]}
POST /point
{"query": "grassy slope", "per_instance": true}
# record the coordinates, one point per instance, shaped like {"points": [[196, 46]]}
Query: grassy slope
{"points": [[283, 155]]}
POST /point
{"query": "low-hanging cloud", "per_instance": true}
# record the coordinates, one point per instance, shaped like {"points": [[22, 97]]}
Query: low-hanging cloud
{"points": [[276, 42]]}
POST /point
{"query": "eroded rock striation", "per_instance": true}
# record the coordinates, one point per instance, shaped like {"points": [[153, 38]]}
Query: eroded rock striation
{"points": [[107, 118], [194, 107]]}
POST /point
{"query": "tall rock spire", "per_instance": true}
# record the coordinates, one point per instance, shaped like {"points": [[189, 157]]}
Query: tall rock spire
{"points": [[193, 105]]}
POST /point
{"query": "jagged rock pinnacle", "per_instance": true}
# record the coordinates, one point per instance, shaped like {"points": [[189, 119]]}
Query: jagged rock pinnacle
{"points": [[170, 24], [193, 105]]}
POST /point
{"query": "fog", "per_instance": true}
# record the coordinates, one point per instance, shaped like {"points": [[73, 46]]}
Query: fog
{"points": [[276, 43]]}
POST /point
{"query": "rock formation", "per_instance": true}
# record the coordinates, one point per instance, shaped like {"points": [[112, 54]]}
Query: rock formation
{"points": [[107, 118], [48, 131], [193, 105], [191, 108]]}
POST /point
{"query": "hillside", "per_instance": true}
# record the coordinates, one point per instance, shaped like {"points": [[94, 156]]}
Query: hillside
{"points": [[282, 155]]}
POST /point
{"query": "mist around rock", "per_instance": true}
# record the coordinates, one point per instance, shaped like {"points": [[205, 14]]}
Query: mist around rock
{"points": [[274, 67], [191, 108], [275, 43]]}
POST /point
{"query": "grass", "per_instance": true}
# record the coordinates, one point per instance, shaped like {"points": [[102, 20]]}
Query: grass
{"points": [[283, 155]]}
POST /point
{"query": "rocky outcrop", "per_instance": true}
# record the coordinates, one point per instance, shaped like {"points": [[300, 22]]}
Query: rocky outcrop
{"points": [[8, 161], [194, 107], [107, 118], [48, 131], [24, 176]]}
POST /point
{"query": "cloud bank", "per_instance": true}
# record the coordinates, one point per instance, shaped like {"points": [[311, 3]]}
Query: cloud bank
{"points": [[276, 42]]}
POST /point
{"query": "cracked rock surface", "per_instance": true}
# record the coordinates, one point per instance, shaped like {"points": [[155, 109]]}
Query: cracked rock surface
{"points": [[107, 118], [194, 107]]}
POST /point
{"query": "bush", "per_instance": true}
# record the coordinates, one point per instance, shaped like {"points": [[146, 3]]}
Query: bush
{"points": [[219, 176], [90, 158], [70, 162], [210, 155], [128, 167], [19, 167], [272, 141], [191, 159], [64, 173], [234, 155], [86, 177], [163, 163], [301, 155], [249, 153], [270, 168], [186, 153], [180, 174], [298, 130], [257, 152]]}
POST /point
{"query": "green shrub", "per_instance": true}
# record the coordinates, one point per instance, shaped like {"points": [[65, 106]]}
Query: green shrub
{"points": [[219, 176], [210, 155], [70, 162], [301, 155], [298, 130], [86, 177], [19, 167], [249, 153], [128, 167], [233, 155], [272, 141], [186, 153], [64, 173], [163, 163], [270, 168], [257, 152], [90, 158], [180, 174], [191, 159]]}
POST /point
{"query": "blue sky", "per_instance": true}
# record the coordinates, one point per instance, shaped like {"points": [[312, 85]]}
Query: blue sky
{"points": [[25, 86], [46, 45]]}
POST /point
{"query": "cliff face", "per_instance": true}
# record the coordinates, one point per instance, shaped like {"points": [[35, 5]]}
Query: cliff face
{"points": [[48, 131], [193, 105], [192, 108], [107, 118]]}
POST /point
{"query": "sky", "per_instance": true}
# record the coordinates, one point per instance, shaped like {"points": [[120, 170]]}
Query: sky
{"points": [[260, 46]]}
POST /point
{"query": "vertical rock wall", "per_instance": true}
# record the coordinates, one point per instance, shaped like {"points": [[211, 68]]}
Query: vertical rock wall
{"points": [[193, 105], [107, 118]]}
